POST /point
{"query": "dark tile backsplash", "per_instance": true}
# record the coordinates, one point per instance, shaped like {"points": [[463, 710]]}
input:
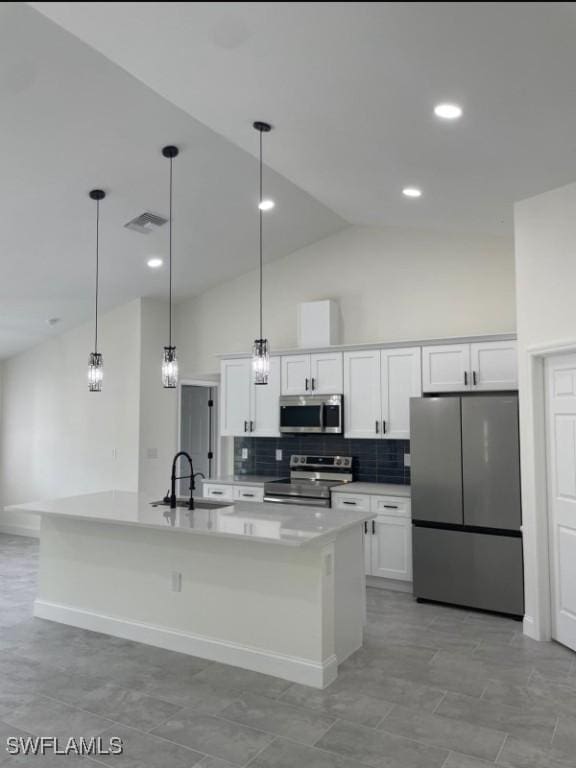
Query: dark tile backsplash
{"points": [[375, 461]]}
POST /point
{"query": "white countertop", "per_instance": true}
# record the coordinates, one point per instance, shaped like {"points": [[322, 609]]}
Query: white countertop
{"points": [[240, 480], [291, 525], [374, 489]]}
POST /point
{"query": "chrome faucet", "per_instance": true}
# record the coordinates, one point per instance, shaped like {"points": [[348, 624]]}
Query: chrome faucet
{"points": [[172, 496]]}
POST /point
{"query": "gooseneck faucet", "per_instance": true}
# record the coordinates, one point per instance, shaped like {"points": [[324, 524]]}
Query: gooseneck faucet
{"points": [[173, 479]]}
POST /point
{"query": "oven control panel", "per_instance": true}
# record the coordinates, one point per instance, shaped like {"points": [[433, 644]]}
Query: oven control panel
{"points": [[321, 462]]}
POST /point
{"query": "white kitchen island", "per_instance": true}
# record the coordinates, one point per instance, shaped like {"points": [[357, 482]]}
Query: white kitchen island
{"points": [[278, 589]]}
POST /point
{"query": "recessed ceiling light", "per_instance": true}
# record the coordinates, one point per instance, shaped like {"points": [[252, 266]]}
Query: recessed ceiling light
{"points": [[154, 263], [266, 205], [412, 192], [448, 111]]}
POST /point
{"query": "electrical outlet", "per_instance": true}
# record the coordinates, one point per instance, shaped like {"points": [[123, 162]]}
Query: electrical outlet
{"points": [[244, 453], [176, 581], [278, 454], [406, 459]]}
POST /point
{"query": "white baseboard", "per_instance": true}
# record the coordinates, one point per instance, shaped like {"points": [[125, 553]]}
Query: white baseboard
{"points": [[393, 584], [297, 670], [529, 628], [20, 530]]}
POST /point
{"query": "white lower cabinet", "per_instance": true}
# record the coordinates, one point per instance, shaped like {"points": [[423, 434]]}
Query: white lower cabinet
{"points": [[388, 537], [225, 492]]}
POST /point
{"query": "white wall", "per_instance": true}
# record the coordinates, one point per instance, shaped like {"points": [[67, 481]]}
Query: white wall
{"points": [[545, 242], [391, 284], [56, 437]]}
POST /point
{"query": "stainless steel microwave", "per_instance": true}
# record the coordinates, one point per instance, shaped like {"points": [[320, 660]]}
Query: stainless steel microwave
{"points": [[311, 414]]}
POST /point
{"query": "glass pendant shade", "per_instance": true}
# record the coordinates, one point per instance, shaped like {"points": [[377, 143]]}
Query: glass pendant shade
{"points": [[261, 361], [169, 368], [95, 372]]}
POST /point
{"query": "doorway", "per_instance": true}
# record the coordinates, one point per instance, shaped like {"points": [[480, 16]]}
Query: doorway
{"points": [[561, 459], [198, 426]]}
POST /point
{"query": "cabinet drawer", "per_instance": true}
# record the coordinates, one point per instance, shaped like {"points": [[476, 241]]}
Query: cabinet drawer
{"points": [[391, 506], [249, 493], [351, 501], [219, 491]]}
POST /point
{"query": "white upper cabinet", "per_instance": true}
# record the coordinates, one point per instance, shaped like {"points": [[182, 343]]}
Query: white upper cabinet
{"points": [[489, 365], [295, 374], [319, 374], [326, 373], [494, 365], [362, 398], [378, 385], [401, 379], [265, 410], [446, 368], [235, 396], [247, 408]]}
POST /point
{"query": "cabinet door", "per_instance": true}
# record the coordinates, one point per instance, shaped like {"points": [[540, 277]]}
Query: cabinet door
{"points": [[296, 374], [494, 365], [265, 405], [326, 373], [235, 397], [446, 368], [362, 400], [401, 379], [392, 548]]}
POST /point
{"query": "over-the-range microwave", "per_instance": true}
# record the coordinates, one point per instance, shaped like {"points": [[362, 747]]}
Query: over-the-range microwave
{"points": [[311, 414]]}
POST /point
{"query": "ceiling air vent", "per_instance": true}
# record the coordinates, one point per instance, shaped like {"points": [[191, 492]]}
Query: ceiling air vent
{"points": [[146, 222]]}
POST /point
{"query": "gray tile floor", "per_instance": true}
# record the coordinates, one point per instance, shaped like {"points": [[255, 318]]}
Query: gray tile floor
{"points": [[434, 687]]}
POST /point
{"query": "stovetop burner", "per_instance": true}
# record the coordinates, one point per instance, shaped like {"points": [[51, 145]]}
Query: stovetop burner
{"points": [[310, 481]]}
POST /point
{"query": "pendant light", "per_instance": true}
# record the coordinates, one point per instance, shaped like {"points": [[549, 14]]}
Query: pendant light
{"points": [[261, 348], [95, 362], [169, 359]]}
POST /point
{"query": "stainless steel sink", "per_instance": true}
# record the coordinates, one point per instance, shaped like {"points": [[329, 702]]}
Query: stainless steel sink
{"points": [[198, 503]]}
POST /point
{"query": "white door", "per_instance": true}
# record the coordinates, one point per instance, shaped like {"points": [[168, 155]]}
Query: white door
{"points": [[326, 373], [296, 374], [401, 379], [265, 405], [392, 548], [362, 400], [235, 396], [494, 365], [446, 368], [561, 439]]}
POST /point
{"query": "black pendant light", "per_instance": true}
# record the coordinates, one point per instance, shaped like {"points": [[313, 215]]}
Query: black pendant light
{"points": [[95, 362], [261, 348], [169, 359]]}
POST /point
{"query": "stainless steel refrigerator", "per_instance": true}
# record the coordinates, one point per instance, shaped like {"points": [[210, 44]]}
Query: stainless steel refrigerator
{"points": [[466, 510]]}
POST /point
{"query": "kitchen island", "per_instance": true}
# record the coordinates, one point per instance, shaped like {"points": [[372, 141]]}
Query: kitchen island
{"points": [[278, 589]]}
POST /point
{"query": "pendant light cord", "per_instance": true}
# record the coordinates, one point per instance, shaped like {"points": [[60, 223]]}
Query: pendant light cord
{"points": [[97, 273], [260, 233], [170, 249]]}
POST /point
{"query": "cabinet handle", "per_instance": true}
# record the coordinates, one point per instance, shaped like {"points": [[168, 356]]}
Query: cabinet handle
{"points": [[373, 527], [366, 526], [383, 427], [251, 426], [306, 385], [377, 426], [245, 426], [217, 493], [313, 383], [350, 503], [465, 378], [248, 495], [390, 506], [474, 378]]}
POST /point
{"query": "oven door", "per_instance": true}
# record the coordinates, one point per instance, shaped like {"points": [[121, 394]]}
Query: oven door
{"points": [[301, 414]]}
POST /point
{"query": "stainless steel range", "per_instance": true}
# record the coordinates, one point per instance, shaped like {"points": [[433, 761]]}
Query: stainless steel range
{"points": [[310, 481]]}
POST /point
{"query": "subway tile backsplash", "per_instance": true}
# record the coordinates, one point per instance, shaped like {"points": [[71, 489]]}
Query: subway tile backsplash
{"points": [[375, 461]]}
